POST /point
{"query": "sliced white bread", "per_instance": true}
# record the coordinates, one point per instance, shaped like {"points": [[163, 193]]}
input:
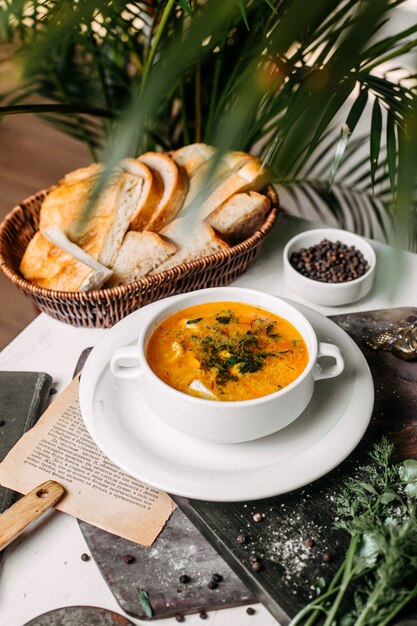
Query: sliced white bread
{"points": [[139, 254], [53, 267], [99, 229], [250, 177], [175, 186], [152, 191], [94, 169], [192, 240], [58, 238], [239, 216], [192, 156], [201, 187]]}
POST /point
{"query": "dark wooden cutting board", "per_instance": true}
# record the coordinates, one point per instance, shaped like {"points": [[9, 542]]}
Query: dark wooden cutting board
{"points": [[289, 568]]}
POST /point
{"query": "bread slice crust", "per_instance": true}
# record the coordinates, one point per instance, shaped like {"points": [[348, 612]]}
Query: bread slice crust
{"points": [[51, 267], [175, 186], [98, 229]]}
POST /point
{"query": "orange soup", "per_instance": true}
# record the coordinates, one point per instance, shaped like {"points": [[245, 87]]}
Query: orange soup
{"points": [[227, 351]]}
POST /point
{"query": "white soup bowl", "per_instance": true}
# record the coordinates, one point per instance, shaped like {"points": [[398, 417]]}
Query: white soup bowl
{"points": [[215, 420]]}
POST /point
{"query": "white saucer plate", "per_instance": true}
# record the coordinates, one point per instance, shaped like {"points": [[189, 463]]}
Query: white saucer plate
{"points": [[136, 440]]}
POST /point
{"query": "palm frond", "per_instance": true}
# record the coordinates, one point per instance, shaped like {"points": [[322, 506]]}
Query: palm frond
{"points": [[288, 79]]}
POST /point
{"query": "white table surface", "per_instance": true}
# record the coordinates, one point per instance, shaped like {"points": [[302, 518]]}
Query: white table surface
{"points": [[42, 570]]}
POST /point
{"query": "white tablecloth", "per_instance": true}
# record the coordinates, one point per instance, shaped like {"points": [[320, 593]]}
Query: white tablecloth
{"points": [[42, 570]]}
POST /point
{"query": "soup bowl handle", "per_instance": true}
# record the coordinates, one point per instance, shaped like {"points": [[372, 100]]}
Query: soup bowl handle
{"points": [[125, 363], [328, 371]]}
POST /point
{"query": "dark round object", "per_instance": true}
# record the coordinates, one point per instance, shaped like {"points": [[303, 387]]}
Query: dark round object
{"points": [[250, 611], [2, 423], [128, 558], [203, 615], [242, 538], [77, 615], [85, 557], [180, 617], [326, 557], [217, 578], [184, 579], [256, 566]]}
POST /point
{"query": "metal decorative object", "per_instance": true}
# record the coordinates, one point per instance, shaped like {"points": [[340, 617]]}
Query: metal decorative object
{"points": [[400, 339]]}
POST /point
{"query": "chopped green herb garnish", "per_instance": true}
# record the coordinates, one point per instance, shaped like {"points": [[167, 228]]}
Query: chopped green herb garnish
{"points": [[224, 354], [225, 317], [222, 319], [145, 602], [270, 331], [197, 319], [257, 324]]}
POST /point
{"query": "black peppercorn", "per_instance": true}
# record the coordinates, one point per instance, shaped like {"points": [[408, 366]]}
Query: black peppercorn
{"points": [[184, 579], [128, 558], [217, 578], [250, 611], [330, 262], [85, 557]]}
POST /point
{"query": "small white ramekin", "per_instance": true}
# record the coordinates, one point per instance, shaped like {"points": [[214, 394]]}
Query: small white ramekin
{"points": [[227, 421], [328, 294]]}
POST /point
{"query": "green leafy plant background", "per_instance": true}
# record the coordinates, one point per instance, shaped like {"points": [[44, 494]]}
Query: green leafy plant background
{"points": [[318, 89]]}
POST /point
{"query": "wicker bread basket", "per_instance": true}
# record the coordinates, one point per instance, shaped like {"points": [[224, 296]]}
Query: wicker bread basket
{"points": [[102, 308]]}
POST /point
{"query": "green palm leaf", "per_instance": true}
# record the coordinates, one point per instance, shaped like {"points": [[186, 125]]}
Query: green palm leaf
{"points": [[376, 131]]}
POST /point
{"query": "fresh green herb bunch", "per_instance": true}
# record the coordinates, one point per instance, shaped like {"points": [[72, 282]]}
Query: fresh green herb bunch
{"points": [[378, 510]]}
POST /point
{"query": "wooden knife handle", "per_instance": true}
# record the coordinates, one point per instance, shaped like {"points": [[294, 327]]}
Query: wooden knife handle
{"points": [[28, 509]]}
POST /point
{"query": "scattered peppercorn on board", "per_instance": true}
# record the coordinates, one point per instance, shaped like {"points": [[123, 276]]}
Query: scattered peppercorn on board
{"points": [[278, 547]]}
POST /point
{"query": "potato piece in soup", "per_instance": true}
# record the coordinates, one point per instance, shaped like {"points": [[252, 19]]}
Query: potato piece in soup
{"points": [[234, 351]]}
